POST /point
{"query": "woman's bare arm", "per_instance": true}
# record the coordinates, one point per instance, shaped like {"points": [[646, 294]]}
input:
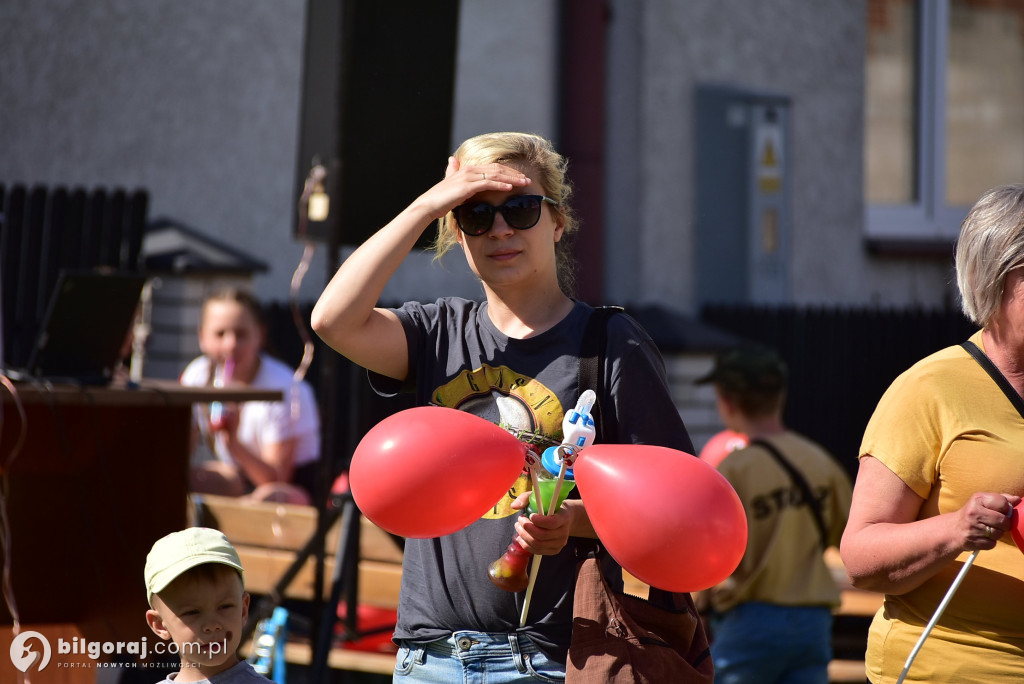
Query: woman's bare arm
{"points": [[885, 548], [346, 317]]}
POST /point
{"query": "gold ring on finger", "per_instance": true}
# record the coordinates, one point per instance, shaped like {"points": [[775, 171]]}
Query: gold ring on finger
{"points": [[988, 532]]}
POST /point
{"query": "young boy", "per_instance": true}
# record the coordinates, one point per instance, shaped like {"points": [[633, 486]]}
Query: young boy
{"points": [[198, 603], [782, 585]]}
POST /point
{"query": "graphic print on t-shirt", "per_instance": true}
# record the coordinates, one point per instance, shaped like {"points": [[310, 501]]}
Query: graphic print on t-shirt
{"points": [[518, 403]]}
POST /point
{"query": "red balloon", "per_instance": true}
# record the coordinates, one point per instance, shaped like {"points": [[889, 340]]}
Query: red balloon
{"points": [[721, 445], [667, 517], [430, 471], [1017, 525]]}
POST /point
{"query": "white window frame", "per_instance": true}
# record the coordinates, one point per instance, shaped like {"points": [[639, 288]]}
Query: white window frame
{"points": [[928, 221]]}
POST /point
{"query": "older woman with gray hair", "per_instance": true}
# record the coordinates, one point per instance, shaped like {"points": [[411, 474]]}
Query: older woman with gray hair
{"points": [[941, 470]]}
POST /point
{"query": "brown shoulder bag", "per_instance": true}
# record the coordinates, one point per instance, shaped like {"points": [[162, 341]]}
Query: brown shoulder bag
{"points": [[616, 637]]}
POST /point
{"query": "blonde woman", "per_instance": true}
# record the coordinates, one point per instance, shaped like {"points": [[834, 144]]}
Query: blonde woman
{"points": [[513, 358]]}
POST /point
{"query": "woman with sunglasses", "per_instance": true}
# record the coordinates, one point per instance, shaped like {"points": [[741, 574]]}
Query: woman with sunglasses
{"points": [[512, 358]]}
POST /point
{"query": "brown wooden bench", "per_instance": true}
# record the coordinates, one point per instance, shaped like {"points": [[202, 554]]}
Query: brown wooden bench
{"points": [[269, 538]]}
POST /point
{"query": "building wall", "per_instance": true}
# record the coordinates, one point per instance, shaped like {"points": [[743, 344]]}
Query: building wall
{"points": [[198, 102], [810, 52], [195, 101]]}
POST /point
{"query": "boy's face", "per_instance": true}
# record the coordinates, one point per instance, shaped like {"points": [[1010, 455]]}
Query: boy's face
{"points": [[204, 616]]}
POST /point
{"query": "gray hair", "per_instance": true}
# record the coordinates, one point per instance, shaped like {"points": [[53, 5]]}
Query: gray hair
{"points": [[991, 243]]}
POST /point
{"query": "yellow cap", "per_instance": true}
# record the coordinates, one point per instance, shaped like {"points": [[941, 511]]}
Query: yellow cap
{"points": [[180, 551]]}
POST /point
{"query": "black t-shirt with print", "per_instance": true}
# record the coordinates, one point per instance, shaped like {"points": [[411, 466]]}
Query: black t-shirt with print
{"points": [[459, 359]]}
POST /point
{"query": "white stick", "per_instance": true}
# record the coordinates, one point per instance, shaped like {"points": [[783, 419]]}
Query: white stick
{"points": [[558, 483], [534, 568], [536, 488], [535, 563], [938, 613]]}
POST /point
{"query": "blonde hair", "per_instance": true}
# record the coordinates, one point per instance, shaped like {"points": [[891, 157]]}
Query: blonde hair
{"points": [[991, 243], [546, 168]]}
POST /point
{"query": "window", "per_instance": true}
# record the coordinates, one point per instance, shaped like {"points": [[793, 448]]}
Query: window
{"points": [[944, 112]]}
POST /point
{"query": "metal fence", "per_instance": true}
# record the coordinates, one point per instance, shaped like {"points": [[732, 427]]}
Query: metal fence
{"points": [[841, 360]]}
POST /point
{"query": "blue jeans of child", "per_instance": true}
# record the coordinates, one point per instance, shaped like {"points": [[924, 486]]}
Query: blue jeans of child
{"points": [[467, 657], [762, 643]]}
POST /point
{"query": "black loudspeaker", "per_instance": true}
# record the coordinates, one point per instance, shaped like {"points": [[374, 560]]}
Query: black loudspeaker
{"points": [[376, 112]]}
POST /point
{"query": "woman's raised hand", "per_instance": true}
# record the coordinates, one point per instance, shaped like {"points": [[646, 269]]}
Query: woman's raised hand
{"points": [[463, 182]]}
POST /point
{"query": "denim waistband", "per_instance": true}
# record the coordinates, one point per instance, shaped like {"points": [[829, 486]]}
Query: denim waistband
{"points": [[469, 644]]}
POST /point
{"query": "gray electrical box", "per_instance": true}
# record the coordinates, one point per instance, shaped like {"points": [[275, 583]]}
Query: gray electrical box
{"points": [[742, 200]]}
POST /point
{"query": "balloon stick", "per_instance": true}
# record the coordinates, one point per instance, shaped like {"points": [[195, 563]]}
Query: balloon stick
{"points": [[559, 481], [938, 613], [536, 487], [535, 563], [534, 567]]}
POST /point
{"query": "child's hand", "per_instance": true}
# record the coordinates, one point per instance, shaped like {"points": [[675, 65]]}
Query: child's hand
{"points": [[226, 422]]}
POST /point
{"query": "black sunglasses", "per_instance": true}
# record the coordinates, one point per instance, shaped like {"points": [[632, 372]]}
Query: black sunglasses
{"points": [[519, 211]]}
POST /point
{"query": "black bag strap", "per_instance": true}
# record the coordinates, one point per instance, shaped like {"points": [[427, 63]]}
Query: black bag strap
{"points": [[1000, 379], [798, 479], [591, 375]]}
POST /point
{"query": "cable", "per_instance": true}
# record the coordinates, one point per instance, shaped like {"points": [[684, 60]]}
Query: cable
{"points": [[5, 523], [307, 341], [6, 382], [313, 201]]}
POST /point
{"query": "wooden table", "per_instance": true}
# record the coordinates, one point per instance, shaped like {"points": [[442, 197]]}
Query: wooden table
{"points": [[101, 473]]}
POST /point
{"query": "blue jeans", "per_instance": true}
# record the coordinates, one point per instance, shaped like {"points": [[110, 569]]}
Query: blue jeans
{"points": [[468, 657], [762, 643]]}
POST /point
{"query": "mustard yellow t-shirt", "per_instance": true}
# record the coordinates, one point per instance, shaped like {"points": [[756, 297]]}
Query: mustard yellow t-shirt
{"points": [[783, 562], [946, 429]]}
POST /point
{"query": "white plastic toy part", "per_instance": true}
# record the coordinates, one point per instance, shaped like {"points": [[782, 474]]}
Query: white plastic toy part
{"points": [[578, 429]]}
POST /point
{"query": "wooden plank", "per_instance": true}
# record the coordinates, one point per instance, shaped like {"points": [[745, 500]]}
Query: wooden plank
{"points": [[271, 525], [853, 601], [859, 602], [841, 671], [376, 544], [289, 526], [379, 582], [265, 567]]}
